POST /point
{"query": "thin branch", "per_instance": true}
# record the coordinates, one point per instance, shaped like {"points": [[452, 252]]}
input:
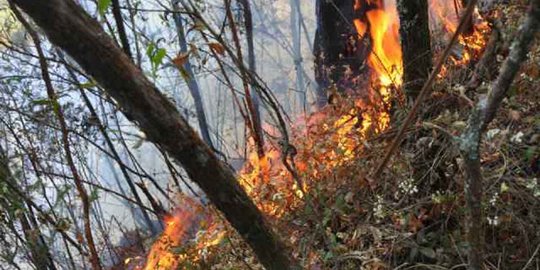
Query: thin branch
{"points": [[85, 200]]}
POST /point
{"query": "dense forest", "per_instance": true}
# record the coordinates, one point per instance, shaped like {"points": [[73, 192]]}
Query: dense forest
{"points": [[269, 134]]}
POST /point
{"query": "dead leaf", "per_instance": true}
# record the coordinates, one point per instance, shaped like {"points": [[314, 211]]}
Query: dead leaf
{"points": [[514, 115], [217, 48], [181, 59]]}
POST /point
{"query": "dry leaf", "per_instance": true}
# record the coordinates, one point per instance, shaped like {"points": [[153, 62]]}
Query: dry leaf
{"points": [[181, 59], [217, 47]]}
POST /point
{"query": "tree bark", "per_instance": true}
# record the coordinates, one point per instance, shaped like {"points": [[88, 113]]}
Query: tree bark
{"points": [[69, 27], [415, 44]]}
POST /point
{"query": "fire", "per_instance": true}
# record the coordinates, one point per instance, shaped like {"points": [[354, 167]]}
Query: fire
{"points": [[444, 17], [385, 61], [325, 140], [385, 58], [190, 221]]}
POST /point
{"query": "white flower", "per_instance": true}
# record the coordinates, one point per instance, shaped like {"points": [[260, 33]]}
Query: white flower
{"points": [[408, 187], [493, 221], [378, 209], [494, 199], [517, 138], [492, 133]]}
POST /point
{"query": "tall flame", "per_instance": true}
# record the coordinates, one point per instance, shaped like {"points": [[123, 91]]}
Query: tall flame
{"points": [[381, 23]]}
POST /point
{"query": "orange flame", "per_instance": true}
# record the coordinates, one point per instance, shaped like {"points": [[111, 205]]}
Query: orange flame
{"points": [[188, 221], [445, 17]]}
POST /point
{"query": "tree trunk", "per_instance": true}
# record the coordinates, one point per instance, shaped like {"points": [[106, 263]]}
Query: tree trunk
{"points": [[297, 51], [191, 81], [415, 44], [340, 53], [117, 14], [255, 98], [69, 27]]}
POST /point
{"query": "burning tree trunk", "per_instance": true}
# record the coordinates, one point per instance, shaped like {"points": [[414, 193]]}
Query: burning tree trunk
{"points": [[415, 43], [339, 53], [70, 28]]}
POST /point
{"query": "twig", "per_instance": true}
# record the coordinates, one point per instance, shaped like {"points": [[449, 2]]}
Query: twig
{"points": [[532, 258]]}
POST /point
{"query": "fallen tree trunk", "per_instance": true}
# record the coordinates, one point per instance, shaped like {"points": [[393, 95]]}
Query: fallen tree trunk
{"points": [[69, 27]]}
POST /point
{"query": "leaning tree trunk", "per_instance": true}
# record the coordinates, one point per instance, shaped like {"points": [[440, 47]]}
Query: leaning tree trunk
{"points": [[191, 81], [71, 28], [415, 43]]}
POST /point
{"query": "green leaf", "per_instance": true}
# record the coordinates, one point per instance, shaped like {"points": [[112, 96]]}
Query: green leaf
{"points": [[103, 6], [150, 50], [158, 56], [94, 195]]}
